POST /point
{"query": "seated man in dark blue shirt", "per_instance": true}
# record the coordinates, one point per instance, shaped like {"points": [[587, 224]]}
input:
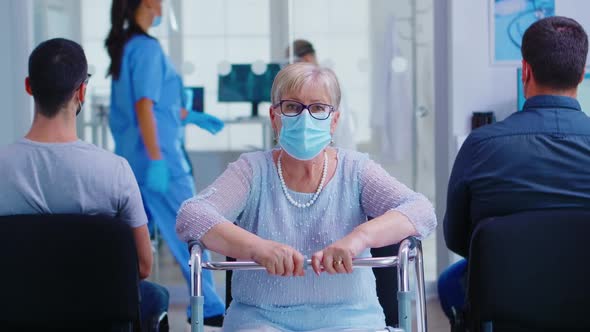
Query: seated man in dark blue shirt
{"points": [[535, 159]]}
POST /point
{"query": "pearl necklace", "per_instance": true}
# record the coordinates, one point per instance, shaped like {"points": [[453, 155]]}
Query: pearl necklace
{"points": [[318, 191]]}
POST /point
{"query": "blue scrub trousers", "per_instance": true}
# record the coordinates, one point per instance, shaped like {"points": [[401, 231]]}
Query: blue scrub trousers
{"points": [[162, 209], [154, 301]]}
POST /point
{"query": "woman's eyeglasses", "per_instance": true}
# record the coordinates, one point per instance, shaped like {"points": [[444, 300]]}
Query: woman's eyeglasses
{"points": [[293, 108]]}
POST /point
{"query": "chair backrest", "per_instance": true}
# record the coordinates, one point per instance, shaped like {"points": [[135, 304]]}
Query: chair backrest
{"points": [[64, 270], [531, 270], [386, 283]]}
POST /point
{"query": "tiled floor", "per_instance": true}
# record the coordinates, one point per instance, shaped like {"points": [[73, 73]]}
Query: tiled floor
{"points": [[169, 276]]}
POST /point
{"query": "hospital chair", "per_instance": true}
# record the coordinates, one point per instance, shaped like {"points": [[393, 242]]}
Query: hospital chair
{"points": [[67, 272], [530, 272], [410, 251]]}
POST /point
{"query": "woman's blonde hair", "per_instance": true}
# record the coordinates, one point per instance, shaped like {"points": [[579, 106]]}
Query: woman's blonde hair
{"points": [[293, 77]]}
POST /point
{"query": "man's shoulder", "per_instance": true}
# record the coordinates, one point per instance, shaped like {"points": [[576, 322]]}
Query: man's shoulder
{"points": [[514, 125], [526, 123], [507, 126], [106, 160], [94, 154], [100, 152], [81, 151]]}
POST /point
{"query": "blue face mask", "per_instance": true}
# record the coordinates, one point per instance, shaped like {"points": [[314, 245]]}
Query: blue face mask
{"points": [[157, 21], [304, 137]]}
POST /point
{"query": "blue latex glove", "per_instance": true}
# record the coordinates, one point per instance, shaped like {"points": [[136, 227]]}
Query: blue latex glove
{"points": [[205, 121], [158, 176]]}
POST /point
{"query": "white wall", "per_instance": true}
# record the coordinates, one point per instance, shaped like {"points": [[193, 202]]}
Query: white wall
{"points": [[476, 84], [16, 37], [443, 128]]}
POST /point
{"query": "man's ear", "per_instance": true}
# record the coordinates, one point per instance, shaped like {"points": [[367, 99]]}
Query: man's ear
{"points": [[28, 86], [82, 93], [527, 72]]}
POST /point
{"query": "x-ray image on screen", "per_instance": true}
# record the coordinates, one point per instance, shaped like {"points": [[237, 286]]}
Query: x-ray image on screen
{"points": [[194, 99], [243, 85]]}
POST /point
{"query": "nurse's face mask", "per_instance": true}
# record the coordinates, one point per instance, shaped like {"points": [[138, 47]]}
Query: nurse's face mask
{"points": [[157, 21], [158, 16], [305, 129]]}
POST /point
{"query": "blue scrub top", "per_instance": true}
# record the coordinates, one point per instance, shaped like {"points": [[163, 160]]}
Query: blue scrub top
{"points": [[146, 72]]}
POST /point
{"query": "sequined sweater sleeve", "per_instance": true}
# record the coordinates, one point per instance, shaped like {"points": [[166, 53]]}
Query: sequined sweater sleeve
{"points": [[380, 193], [222, 201]]}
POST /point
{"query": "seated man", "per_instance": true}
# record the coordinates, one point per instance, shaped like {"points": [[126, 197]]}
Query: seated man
{"points": [[52, 171], [535, 159]]}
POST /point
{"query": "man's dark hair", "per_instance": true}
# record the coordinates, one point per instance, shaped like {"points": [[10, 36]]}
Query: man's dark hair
{"points": [[301, 48], [556, 48], [57, 68]]}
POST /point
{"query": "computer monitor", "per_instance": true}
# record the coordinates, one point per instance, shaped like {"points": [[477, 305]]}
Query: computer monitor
{"points": [[520, 90], [194, 98], [243, 85], [583, 92]]}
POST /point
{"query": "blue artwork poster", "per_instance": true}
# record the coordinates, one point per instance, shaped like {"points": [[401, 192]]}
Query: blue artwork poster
{"points": [[510, 20]]}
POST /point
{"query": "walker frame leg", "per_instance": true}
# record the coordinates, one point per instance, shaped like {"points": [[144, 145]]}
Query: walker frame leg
{"points": [[404, 296], [197, 299], [420, 289]]}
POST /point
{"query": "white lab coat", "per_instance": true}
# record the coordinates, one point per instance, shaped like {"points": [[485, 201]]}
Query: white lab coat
{"points": [[391, 116], [344, 135]]}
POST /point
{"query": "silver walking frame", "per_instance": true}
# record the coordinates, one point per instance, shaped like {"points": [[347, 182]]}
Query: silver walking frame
{"points": [[410, 251]]}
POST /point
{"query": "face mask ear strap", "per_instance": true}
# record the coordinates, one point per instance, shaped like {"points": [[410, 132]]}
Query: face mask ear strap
{"points": [[28, 86]]}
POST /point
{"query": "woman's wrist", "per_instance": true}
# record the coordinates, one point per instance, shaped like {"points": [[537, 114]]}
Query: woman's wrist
{"points": [[360, 239], [252, 246]]}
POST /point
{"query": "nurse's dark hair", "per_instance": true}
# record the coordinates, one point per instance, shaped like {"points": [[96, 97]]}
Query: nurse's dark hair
{"points": [[123, 27], [57, 69], [556, 48]]}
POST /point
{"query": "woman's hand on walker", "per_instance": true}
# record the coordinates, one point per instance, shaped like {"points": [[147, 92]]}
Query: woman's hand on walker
{"points": [[279, 259], [337, 257]]}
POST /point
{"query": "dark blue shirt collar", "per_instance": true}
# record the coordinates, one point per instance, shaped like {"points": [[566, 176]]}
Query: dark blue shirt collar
{"points": [[551, 101]]}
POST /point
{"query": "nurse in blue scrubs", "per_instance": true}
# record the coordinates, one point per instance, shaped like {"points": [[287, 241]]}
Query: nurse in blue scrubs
{"points": [[147, 122]]}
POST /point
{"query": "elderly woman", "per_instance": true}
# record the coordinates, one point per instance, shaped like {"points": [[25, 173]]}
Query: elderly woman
{"points": [[304, 199]]}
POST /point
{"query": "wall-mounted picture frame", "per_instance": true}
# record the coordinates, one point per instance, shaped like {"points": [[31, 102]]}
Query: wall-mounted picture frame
{"points": [[509, 19]]}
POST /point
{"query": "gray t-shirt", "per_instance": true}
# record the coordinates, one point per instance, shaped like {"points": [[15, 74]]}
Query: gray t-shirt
{"points": [[76, 178]]}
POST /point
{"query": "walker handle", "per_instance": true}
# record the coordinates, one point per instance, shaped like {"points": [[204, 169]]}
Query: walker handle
{"points": [[249, 265]]}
